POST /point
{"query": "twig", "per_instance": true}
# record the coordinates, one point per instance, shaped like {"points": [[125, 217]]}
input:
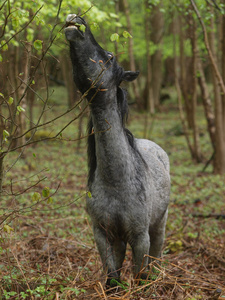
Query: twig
{"points": [[216, 216], [209, 161], [103, 292], [19, 266]]}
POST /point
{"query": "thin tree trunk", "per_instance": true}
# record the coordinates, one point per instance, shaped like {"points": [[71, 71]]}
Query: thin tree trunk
{"points": [[178, 89], [219, 162], [117, 29], [184, 75], [68, 79], [148, 86], [22, 94], [193, 99], [157, 25], [2, 124], [1, 174], [207, 104], [131, 55], [223, 74]]}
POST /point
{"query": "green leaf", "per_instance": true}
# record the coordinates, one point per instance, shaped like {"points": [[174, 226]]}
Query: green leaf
{"points": [[38, 44], [10, 101], [112, 15], [20, 109], [1, 59], [50, 26], [4, 46], [45, 192], [95, 25], [1, 95], [89, 195], [127, 35], [30, 34], [36, 197], [5, 135], [7, 228], [82, 27], [50, 200], [115, 37]]}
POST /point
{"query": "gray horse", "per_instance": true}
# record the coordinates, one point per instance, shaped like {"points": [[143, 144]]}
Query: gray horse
{"points": [[129, 179]]}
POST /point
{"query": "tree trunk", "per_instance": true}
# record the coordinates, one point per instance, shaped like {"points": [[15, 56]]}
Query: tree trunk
{"points": [[188, 79], [222, 171], [157, 25], [22, 94], [178, 89], [131, 55], [148, 93], [68, 79], [193, 29], [207, 104], [1, 174], [117, 9], [184, 75], [219, 161]]}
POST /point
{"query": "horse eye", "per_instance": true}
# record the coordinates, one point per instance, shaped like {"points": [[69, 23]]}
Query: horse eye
{"points": [[111, 57]]}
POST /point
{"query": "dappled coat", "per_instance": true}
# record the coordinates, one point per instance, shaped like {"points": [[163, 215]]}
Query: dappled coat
{"points": [[129, 180]]}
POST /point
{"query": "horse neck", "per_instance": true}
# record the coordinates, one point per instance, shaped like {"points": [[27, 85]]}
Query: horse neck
{"points": [[113, 151]]}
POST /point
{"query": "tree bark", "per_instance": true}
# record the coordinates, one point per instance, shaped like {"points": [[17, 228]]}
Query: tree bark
{"points": [[188, 79], [223, 95], [131, 55], [207, 104], [148, 93], [178, 89], [117, 9], [157, 25], [193, 29], [1, 174], [184, 74], [219, 161], [22, 93], [68, 79]]}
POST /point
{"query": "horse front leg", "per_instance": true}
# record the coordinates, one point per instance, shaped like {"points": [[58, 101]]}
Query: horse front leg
{"points": [[105, 248], [140, 247], [119, 251]]}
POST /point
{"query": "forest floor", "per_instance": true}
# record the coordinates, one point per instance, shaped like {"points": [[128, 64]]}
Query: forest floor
{"points": [[47, 246]]}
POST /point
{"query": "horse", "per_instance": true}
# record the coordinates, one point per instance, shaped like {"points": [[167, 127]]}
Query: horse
{"points": [[128, 178]]}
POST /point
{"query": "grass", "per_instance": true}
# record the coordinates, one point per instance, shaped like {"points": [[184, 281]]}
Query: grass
{"points": [[46, 243]]}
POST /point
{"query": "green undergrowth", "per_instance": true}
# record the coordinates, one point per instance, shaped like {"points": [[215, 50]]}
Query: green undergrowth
{"points": [[46, 242]]}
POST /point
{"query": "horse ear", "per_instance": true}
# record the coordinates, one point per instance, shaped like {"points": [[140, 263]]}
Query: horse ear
{"points": [[130, 75]]}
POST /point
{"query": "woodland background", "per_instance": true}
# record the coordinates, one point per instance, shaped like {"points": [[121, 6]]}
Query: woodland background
{"points": [[46, 243]]}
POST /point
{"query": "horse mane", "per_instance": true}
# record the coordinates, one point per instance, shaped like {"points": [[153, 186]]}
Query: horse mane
{"points": [[123, 111]]}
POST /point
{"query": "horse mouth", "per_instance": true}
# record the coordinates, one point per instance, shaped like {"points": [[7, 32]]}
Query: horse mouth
{"points": [[74, 23], [73, 26]]}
